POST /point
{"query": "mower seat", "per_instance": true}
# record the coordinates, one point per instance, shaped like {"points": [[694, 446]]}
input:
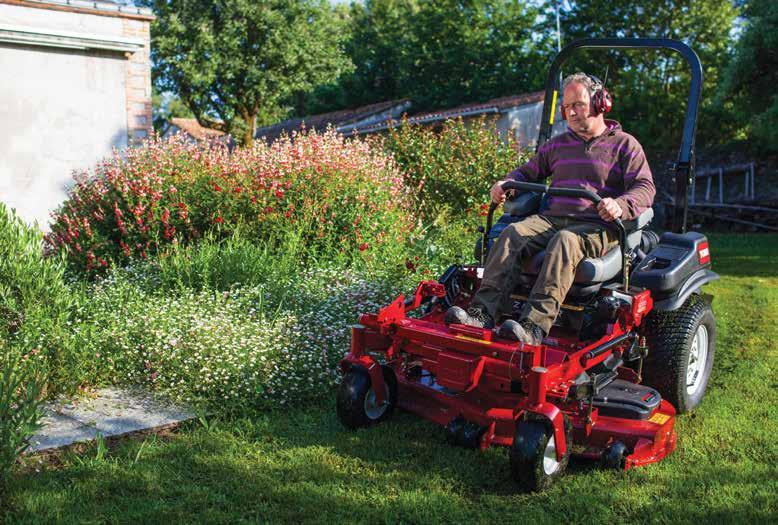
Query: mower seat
{"points": [[593, 272]]}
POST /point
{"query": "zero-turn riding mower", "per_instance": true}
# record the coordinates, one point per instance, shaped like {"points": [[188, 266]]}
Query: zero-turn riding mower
{"points": [[633, 344]]}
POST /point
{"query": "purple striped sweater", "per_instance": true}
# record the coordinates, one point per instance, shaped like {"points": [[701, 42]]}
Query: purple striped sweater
{"points": [[612, 165]]}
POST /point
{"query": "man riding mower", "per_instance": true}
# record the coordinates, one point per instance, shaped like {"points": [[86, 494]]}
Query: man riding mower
{"points": [[584, 333]]}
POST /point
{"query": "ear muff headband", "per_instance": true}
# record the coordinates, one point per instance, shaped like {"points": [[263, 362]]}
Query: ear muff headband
{"points": [[601, 100]]}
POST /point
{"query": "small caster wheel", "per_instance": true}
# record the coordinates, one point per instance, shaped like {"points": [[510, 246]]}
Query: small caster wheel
{"points": [[357, 405], [534, 464], [615, 456]]}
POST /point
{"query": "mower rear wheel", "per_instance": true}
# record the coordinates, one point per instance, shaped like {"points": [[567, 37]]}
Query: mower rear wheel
{"points": [[681, 346], [534, 464], [357, 406]]}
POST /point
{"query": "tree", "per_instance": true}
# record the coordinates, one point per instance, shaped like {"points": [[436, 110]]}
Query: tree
{"points": [[751, 77], [439, 54], [234, 63], [165, 107], [650, 88]]}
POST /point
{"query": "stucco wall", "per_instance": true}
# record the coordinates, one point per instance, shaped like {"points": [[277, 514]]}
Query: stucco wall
{"points": [[63, 110]]}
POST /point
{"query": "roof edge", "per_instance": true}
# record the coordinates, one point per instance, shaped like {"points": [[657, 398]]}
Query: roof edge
{"points": [[82, 6]]}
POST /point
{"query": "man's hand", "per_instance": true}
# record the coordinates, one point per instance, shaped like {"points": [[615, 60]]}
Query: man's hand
{"points": [[497, 193], [609, 209]]}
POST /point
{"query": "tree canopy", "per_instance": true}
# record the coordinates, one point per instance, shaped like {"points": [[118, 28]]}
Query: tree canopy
{"points": [[238, 63], [751, 77], [439, 54], [235, 63]]}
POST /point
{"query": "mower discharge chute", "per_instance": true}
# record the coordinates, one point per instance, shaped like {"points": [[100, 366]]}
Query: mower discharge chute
{"points": [[632, 346]]}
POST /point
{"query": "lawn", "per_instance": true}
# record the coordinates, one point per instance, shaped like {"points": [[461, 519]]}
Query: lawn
{"points": [[300, 465]]}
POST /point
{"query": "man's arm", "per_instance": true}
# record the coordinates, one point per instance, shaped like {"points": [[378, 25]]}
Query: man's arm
{"points": [[638, 183], [533, 170]]}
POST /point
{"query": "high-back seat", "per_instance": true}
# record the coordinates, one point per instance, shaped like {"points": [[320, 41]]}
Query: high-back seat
{"points": [[591, 273]]}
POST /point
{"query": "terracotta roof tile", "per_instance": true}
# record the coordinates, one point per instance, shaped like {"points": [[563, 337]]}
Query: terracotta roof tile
{"points": [[193, 128], [321, 121], [495, 105]]}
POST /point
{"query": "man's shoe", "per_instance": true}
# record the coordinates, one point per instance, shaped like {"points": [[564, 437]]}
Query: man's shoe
{"points": [[474, 316], [525, 332]]}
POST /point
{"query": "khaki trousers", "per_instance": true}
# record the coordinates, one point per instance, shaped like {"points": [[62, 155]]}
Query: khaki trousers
{"points": [[567, 242]]}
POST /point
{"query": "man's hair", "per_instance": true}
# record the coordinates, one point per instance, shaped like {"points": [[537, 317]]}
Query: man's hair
{"points": [[583, 79]]}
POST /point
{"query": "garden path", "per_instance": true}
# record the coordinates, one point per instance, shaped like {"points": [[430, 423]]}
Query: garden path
{"points": [[107, 412]]}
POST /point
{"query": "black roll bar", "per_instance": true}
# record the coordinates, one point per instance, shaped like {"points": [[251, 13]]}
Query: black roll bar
{"points": [[684, 166]]}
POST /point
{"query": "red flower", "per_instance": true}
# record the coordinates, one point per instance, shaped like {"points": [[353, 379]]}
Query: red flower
{"points": [[237, 189], [218, 219], [216, 187], [363, 247]]}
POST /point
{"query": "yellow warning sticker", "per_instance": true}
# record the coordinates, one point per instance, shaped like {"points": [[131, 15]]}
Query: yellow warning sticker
{"points": [[468, 338], [659, 418], [553, 109]]}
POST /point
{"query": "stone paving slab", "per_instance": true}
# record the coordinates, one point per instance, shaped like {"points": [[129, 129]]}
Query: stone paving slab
{"points": [[60, 431], [111, 412]]}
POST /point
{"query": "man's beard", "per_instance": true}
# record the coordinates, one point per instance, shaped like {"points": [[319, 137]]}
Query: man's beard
{"points": [[582, 125]]}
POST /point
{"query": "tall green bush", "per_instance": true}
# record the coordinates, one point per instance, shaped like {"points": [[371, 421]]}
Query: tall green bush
{"points": [[36, 303], [21, 383], [453, 168]]}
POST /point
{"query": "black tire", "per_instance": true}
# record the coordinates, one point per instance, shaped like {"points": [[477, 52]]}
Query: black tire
{"points": [[670, 337], [531, 453], [615, 456], [354, 406]]}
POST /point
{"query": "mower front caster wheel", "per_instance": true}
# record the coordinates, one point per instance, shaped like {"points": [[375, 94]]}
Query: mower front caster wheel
{"points": [[534, 464], [614, 456], [357, 404]]}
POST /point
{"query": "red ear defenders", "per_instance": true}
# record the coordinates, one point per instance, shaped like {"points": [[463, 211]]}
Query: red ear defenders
{"points": [[600, 102]]}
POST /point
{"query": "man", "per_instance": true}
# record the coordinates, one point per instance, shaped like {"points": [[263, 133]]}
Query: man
{"points": [[594, 154]]}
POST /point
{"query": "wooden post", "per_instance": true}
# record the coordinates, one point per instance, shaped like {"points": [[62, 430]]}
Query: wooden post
{"points": [[707, 188], [694, 188], [753, 173], [721, 185]]}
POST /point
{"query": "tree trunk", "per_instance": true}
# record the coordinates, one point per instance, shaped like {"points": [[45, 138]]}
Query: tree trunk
{"points": [[250, 119]]}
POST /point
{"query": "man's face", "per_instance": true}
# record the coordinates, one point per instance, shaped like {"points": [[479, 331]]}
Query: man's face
{"points": [[577, 108]]}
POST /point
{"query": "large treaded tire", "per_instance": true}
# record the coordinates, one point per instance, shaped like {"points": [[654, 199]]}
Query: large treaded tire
{"points": [[354, 406], [527, 454], [669, 336]]}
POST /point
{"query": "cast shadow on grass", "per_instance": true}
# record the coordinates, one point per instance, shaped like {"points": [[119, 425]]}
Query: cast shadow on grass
{"points": [[303, 467]]}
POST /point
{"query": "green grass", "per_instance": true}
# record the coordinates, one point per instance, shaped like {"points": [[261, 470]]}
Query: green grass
{"points": [[301, 466]]}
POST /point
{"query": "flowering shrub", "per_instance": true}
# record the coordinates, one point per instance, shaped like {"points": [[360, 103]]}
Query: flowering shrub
{"points": [[245, 347], [333, 195], [452, 168]]}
